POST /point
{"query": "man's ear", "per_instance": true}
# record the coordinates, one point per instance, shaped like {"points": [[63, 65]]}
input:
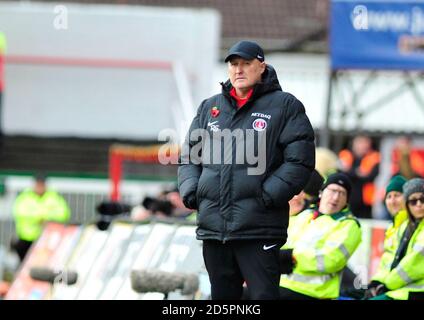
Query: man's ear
{"points": [[263, 66]]}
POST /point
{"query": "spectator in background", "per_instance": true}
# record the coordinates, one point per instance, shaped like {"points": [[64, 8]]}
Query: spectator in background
{"points": [[405, 279], [32, 208], [361, 164], [395, 206], [404, 161], [319, 244]]}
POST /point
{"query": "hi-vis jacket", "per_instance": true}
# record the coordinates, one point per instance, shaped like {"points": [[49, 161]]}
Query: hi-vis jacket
{"points": [[391, 243], [2, 54], [322, 245], [408, 276], [31, 211]]}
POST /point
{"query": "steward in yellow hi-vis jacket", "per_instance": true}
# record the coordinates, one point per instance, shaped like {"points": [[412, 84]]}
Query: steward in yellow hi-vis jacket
{"points": [[32, 208], [395, 206], [405, 280], [319, 244]]}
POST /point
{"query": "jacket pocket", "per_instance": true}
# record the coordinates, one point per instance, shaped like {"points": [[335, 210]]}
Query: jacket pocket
{"points": [[208, 185], [266, 200], [200, 186]]}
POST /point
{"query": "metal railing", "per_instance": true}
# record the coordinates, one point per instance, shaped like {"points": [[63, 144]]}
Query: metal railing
{"points": [[82, 196]]}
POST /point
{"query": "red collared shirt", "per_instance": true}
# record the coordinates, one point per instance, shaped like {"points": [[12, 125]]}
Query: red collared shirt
{"points": [[240, 101]]}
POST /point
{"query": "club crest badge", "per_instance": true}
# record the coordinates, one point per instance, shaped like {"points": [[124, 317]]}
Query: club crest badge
{"points": [[259, 124]]}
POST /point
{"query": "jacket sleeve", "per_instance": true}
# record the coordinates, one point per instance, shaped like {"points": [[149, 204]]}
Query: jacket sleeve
{"points": [[411, 267], [387, 256], [24, 210], [383, 266], [335, 251], [370, 177], [297, 142], [189, 169]]}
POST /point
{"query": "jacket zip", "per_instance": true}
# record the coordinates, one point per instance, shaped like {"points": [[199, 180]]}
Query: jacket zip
{"points": [[224, 239], [237, 110], [225, 229]]}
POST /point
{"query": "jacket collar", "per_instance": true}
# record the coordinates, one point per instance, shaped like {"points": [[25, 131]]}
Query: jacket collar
{"points": [[269, 83], [341, 214]]}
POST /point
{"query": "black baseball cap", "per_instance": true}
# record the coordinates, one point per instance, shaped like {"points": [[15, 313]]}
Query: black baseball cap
{"points": [[248, 50]]}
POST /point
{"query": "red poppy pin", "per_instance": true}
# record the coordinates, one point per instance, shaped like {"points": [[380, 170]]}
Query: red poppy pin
{"points": [[215, 112]]}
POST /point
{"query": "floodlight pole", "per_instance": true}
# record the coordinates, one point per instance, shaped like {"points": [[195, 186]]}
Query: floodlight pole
{"points": [[325, 136]]}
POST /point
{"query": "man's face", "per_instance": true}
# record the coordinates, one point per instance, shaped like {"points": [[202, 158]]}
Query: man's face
{"points": [[361, 146], [40, 187], [333, 199], [244, 74], [394, 202]]}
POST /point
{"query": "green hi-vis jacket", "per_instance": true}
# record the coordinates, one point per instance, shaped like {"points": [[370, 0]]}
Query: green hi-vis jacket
{"points": [[2, 43], [31, 211], [408, 276], [391, 243], [321, 248]]}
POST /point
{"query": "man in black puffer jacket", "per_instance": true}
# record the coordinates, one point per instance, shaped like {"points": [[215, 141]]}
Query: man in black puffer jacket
{"points": [[248, 151]]}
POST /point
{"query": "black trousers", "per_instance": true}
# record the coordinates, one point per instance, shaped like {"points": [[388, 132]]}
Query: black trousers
{"points": [[230, 264], [21, 247], [287, 294]]}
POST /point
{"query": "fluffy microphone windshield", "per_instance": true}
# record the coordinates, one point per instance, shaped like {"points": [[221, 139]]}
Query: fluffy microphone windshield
{"points": [[160, 281], [53, 276]]}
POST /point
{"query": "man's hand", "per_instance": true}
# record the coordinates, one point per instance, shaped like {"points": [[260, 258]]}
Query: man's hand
{"points": [[190, 201], [375, 289], [266, 199], [286, 261]]}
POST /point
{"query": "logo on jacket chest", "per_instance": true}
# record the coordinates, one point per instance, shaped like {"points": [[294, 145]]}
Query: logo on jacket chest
{"points": [[214, 126], [259, 124], [261, 115]]}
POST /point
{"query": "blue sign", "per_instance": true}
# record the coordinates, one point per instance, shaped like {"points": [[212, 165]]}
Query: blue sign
{"points": [[377, 34]]}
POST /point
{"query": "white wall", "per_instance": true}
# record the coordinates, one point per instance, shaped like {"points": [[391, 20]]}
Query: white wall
{"points": [[123, 102], [135, 103]]}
